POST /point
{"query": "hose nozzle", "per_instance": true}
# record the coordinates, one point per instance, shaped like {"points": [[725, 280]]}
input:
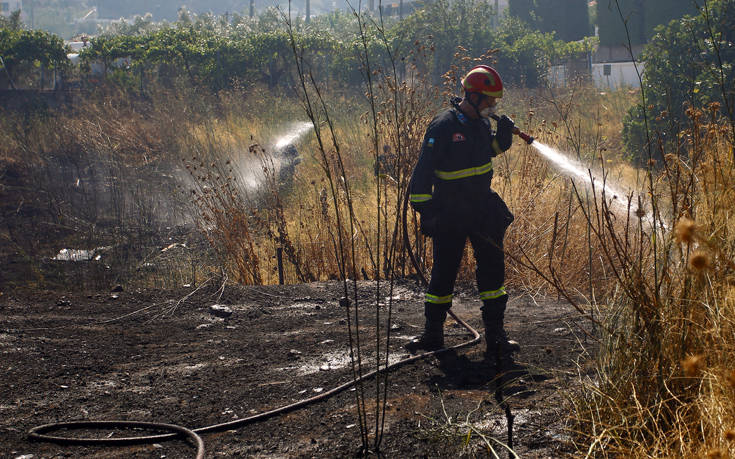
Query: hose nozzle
{"points": [[526, 138]]}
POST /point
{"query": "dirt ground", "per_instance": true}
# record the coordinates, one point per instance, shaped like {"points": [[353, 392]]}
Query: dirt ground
{"points": [[164, 356]]}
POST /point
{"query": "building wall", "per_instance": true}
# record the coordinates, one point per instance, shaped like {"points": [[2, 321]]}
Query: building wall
{"points": [[621, 75]]}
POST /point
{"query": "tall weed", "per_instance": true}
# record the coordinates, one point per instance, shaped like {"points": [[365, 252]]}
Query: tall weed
{"points": [[661, 387]]}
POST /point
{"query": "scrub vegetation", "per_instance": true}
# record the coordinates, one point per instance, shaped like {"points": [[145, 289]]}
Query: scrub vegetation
{"points": [[169, 167]]}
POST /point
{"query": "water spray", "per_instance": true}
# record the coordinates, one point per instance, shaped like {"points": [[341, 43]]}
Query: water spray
{"points": [[574, 169]]}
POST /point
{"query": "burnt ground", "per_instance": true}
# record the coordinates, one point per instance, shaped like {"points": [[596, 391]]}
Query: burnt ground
{"points": [[162, 356]]}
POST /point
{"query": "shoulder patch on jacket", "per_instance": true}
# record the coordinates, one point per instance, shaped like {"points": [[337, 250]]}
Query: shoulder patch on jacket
{"points": [[458, 137]]}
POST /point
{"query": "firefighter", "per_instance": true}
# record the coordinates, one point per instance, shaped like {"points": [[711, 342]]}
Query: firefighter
{"points": [[450, 189]]}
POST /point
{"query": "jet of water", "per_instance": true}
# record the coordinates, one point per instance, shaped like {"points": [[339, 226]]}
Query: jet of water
{"points": [[576, 170], [296, 131], [252, 171]]}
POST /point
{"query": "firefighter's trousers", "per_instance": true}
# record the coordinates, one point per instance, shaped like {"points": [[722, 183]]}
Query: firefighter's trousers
{"points": [[447, 252]]}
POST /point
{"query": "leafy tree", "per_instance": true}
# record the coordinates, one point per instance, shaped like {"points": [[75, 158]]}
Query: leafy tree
{"points": [[524, 55], [205, 51], [569, 19], [216, 51], [686, 66], [23, 51], [140, 25], [659, 12], [641, 18], [446, 25], [341, 24], [612, 22], [272, 55], [12, 22], [523, 10]]}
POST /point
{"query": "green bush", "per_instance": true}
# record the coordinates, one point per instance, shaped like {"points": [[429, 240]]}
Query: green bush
{"points": [[689, 63], [444, 25], [24, 51], [640, 17], [568, 19], [219, 53], [524, 55]]}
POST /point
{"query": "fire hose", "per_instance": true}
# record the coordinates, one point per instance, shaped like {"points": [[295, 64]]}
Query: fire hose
{"points": [[41, 433]]}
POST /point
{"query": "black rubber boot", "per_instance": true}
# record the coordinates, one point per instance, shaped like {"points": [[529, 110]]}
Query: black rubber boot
{"points": [[498, 344], [432, 338]]}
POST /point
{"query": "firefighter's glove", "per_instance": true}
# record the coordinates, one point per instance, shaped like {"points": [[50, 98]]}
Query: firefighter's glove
{"points": [[429, 223], [505, 132]]}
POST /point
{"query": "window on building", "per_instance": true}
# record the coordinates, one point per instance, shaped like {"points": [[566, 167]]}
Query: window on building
{"points": [[4, 7]]}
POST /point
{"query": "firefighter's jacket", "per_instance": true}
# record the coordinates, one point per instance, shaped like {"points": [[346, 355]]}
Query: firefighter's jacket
{"points": [[451, 181]]}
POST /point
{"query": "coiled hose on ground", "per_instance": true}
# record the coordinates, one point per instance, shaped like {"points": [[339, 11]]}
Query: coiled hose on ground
{"points": [[42, 433]]}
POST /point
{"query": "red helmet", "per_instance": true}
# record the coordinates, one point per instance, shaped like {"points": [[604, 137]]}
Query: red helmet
{"points": [[484, 80]]}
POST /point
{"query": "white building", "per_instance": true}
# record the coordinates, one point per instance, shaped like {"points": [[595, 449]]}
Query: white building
{"points": [[10, 6], [616, 75], [605, 75]]}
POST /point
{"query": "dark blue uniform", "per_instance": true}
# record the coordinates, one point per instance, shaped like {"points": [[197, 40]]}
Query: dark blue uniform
{"points": [[450, 188]]}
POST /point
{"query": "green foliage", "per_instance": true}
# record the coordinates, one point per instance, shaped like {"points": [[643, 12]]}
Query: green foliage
{"points": [[524, 54], [659, 12], [23, 51], [613, 16], [446, 25], [205, 53], [220, 52], [686, 66], [523, 10], [641, 18], [569, 19], [140, 25], [12, 22]]}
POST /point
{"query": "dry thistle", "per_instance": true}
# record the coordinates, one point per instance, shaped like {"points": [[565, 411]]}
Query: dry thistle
{"points": [[693, 365], [684, 230], [699, 260], [730, 435]]}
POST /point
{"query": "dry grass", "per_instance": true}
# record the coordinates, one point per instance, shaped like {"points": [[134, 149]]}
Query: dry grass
{"points": [[661, 385], [663, 295], [219, 149], [100, 173]]}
